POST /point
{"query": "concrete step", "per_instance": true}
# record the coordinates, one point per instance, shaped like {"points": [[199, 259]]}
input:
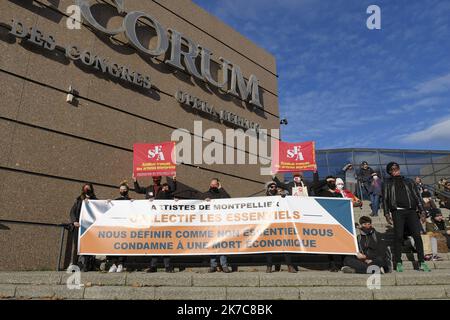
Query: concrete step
{"points": [[239, 285]]}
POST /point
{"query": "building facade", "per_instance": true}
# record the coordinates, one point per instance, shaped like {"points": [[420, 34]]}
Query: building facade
{"points": [[76, 94], [430, 165]]}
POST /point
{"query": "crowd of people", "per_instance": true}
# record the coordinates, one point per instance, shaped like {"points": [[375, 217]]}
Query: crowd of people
{"points": [[408, 207]]}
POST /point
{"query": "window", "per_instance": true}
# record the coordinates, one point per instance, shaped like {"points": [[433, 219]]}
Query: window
{"points": [[417, 158], [321, 159], [441, 157], [387, 157], [371, 157], [418, 169], [339, 159], [442, 169]]}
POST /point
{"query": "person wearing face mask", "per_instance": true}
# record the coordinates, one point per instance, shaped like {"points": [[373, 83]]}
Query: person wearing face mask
{"points": [[84, 262], [375, 193], [347, 193], [372, 250], [166, 193], [327, 188], [217, 192], [438, 225], [272, 190], [152, 190], [117, 262], [296, 187], [401, 203], [364, 177], [428, 202]]}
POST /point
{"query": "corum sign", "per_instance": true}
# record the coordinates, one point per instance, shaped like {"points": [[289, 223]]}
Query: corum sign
{"points": [[248, 90]]}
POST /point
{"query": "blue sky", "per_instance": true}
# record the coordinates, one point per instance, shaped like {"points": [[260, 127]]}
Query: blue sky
{"points": [[344, 85]]}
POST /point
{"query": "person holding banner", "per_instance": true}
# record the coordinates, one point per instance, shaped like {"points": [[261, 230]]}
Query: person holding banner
{"points": [[296, 187], [118, 262], [165, 194], [327, 188], [87, 193], [152, 190], [217, 192], [271, 190]]}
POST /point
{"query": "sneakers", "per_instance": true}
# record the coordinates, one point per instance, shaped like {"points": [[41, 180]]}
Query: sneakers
{"points": [[436, 258], [347, 269], [424, 267], [291, 269], [226, 269], [113, 269], [212, 269], [119, 268], [428, 257], [399, 267]]}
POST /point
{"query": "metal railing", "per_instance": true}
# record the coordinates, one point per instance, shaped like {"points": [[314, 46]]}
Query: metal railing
{"points": [[62, 226]]}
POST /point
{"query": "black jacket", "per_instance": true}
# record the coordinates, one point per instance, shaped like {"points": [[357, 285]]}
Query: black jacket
{"points": [[372, 244], [220, 194], [365, 175], [389, 198], [76, 209], [320, 189], [150, 190], [291, 184], [123, 198]]}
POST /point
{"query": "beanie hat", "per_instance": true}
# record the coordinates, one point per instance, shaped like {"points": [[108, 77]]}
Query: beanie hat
{"points": [[426, 194], [365, 219], [390, 165]]}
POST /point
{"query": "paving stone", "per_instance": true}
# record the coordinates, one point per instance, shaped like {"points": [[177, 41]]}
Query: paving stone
{"points": [[120, 293], [330, 293], [410, 292], [190, 293], [284, 279], [48, 292], [7, 291], [99, 279], [355, 280], [30, 277], [159, 279], [436, 277], [266, 293], [226, 279]]}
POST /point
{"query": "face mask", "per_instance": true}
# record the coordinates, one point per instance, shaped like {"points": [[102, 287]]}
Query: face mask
{"points": [[214, 189], [375, 178], [340, 186], [331, 185], [123, 193]]}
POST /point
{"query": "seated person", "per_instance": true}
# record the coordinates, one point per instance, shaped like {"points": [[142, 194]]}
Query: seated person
{"points": [[347, 193], [429, 242], [372, 250], [428, 203], [439, 225]]}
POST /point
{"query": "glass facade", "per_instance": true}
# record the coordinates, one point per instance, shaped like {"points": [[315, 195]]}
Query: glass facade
{"points": [[429, 165]]}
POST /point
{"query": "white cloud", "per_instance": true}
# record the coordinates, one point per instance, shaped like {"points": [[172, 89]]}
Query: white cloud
{"points": [[440, 131]]}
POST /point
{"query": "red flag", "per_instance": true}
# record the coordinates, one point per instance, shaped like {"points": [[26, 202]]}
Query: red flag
{"points": [[292, 157], [156, 159]]}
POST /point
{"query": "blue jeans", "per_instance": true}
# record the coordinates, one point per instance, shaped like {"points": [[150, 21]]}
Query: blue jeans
{"points": [[213, 261], [375, 203]]}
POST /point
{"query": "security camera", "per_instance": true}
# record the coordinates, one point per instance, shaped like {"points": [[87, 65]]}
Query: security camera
{"points": [[70, 96], [284, 121]]}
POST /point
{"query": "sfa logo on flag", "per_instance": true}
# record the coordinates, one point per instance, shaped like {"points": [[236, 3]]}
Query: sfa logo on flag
{"points": [[292, 157], [295, 153], [154, 159], [156, 153]]}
